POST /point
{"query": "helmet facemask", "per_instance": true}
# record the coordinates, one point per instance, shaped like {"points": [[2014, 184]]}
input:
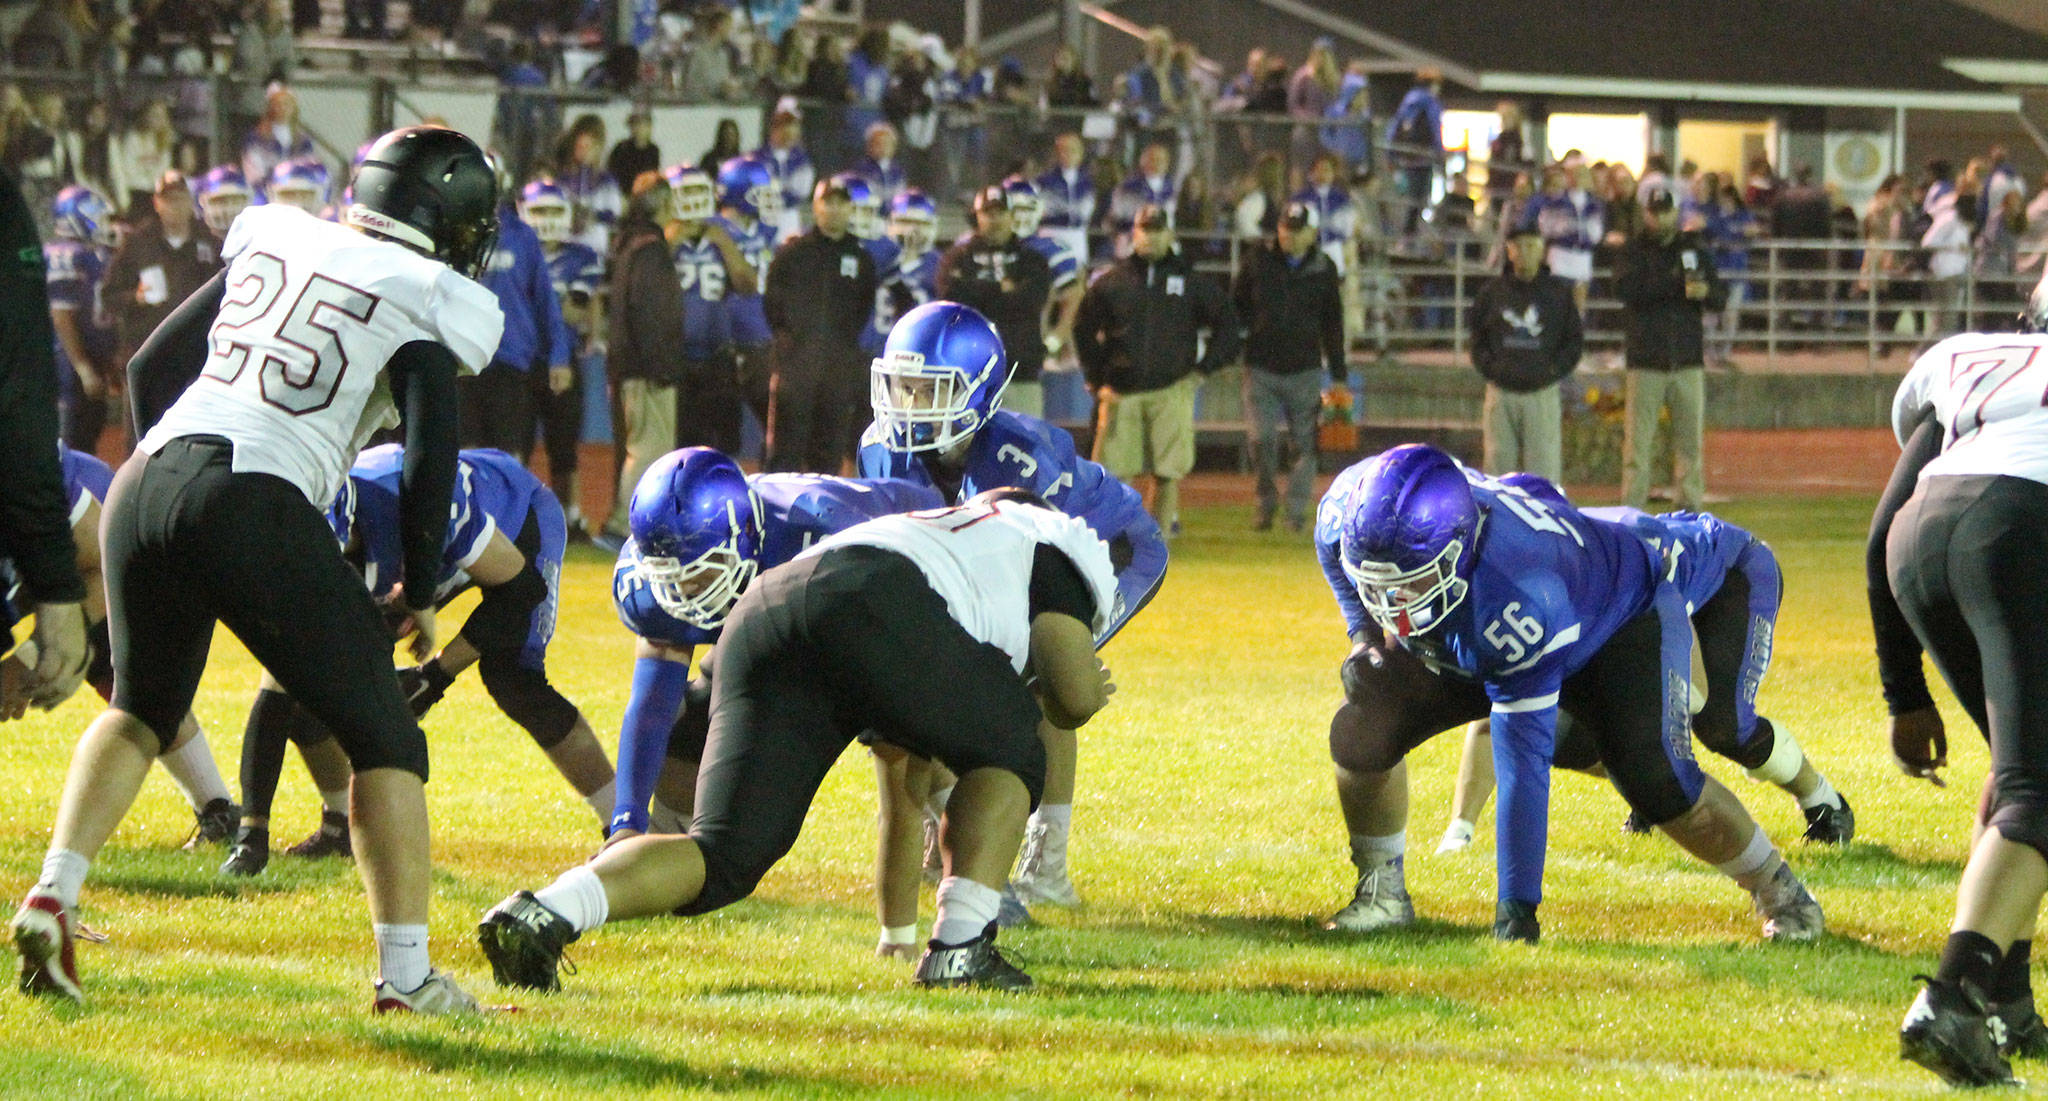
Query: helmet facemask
{"points": [[922, 406], [702, 591], [1411, 602], [914, 234], [766, 199], [1025, 212]]}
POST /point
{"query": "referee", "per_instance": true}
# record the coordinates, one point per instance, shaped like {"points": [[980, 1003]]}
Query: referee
{"points": [[1975, 439], [35, 522]]}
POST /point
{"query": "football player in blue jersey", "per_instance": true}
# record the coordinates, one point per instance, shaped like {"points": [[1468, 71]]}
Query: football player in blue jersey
{"points": [[709, 264], [221, 194], [701, 530], [869, 226], [936, 392], [75, 267], [1525, 607], [750, 201], [189, 759], [577, 272], [304, 183], [1027, 210], [914, 280], [505, 536]]}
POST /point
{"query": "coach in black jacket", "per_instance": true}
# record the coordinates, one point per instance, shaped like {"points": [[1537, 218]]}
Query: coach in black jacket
{"points": [[1138, 335], [1665, 279], [1293, 315], [1526, 337], [35, 519], [821, 294], [993, 272]]}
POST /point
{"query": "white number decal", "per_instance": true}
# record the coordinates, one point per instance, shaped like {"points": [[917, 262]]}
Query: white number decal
{"points": [[305, 377], [708, 277], [1980, 377], [1026, 465], [1536, 514], [1526, 632]]}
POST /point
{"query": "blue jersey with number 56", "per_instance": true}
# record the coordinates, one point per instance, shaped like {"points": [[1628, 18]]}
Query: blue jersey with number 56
{"points": [[797, 511], [1013, 449]]}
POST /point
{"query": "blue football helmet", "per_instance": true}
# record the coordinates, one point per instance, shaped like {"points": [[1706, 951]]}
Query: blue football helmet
{"points": [[748, 185], [695, 198], [1025, 206], [545, 206], [913, 221], [304, 183], [221, 194], [82, 215], [1411, 534], [866, 222], [341, 513], [697, 525], [939, 378]]}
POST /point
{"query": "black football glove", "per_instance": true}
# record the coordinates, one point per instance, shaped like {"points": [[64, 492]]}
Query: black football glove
{"points": [[1514, 919], [424, 685], [1364, 657]]}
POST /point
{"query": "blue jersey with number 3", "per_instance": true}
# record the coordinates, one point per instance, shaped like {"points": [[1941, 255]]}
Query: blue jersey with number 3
{"points": [[1017, 450], [797, 511]]}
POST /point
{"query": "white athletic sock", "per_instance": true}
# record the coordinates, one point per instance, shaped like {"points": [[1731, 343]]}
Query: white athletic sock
{"points": [[192, 768], [63, 874], [965, 909], [1368, 852], [1753, 867], [662, 818], [601, 800], [578, 895], [1824, 795], [335, 802], [402, 955], [1058, 819]]}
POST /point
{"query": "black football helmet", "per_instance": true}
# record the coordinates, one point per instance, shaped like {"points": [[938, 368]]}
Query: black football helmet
{"points": [[431, 188]]}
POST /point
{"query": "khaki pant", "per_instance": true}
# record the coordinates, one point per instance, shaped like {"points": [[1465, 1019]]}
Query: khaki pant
{"points": [[1152, 431], [1524, 431], [1685, 391], [1027, 398], [647, 431]]}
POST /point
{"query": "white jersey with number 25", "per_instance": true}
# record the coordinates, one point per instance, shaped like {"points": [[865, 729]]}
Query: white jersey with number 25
{"points": [[978, 557], [294, 374]]}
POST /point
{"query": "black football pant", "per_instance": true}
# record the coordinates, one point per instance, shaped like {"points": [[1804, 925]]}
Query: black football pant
{"points": [[817, 651], [708, 403], [561, 426], [812, 412]]}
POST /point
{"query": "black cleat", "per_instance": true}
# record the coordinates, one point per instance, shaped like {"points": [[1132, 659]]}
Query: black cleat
{"points": [[524, 942], [2025, 1036], [1950, 1031], [214, 823], [331, 839], [1831, 825], [976, 963], [250, 854], [1635, 823]]}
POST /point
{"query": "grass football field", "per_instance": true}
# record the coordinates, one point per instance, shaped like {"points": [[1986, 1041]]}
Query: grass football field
{"points": [[1206, 841]]}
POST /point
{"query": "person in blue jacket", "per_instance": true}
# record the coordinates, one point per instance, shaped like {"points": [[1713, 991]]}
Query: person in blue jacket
{"points": [[936, 397], [496, 406], [1548, 612]]}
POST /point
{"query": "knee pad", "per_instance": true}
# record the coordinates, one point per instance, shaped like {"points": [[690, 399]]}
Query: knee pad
{"points": [[1783, 761], [505, 614], [2023, 821], [1357, 744], [526, 697]]}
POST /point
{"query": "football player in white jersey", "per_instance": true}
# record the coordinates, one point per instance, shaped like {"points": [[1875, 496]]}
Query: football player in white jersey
{"points": [[314, 336], [945, 631], [1961, 557]]}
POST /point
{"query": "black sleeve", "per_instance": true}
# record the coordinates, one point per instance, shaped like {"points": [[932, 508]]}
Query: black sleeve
{"points": [[1479, 322], [423, 384], [1057, 586], [1898, 649], [1334, 351], [1571, 345], [35, 524], [173, 355]]}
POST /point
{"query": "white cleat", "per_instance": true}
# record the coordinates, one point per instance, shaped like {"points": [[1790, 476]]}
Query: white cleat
{"points": [[438, 995], [1457, 836], [1380, 901], [1042, 871], [43, 936], [1789, 910]]}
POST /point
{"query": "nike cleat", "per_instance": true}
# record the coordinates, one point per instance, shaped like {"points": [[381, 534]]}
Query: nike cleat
{"points": [[524, 941], [1951, 1032], [1831, 824], [331, 839], [250, 854], [1379, 901], [438, 995], [214, 823], [2025, 1036], [975, 963], [42, 934]]}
